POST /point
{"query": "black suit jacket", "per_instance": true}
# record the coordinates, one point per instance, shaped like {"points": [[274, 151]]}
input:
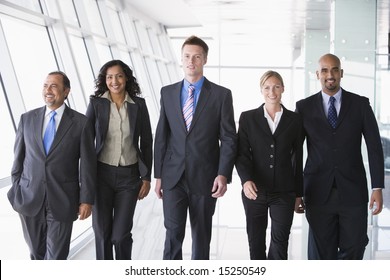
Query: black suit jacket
{"points": [[98, 112], [335, 154], [66, 177], [272, 161], [207, 150]]}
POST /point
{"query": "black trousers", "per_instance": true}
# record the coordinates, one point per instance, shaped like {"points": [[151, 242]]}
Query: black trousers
{"points": [[201, 208], [47, 238], [336, 230], [281, 211], [113, 211]]}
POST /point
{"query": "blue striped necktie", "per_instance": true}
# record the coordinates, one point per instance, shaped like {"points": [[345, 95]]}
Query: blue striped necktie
{"points": [[50, 132]]}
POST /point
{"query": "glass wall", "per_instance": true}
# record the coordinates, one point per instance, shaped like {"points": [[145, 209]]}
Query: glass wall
{"points": [[77, 37]]}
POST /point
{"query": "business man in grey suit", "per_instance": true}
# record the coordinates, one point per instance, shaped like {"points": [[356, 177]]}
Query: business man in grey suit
{"points": [[335, 183], [195, 152], [53, 180]]}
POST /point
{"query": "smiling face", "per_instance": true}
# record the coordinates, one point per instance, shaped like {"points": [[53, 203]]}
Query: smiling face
{"points": [[329, 73], [272, 89], [54, 91], [116, 80], [193, 59]]}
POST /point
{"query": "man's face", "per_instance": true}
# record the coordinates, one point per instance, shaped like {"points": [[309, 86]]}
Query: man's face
{"points": [[329, 74], [54, 93], [193, 59]]}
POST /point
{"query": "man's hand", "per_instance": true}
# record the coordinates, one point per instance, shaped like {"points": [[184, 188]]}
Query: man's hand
{"points": [[157, 189], [85, 211], [299, 205], [377, 199], [219, 186], [144, 191]]}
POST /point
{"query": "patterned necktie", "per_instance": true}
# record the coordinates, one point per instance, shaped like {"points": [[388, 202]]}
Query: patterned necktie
{"points": [[188, 108], [50, 132], [332, 113]]}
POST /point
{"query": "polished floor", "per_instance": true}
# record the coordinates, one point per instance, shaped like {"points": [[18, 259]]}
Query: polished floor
{"points": [[229, 240]]}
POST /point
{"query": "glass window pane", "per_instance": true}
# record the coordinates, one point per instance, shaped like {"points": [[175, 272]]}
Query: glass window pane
{"points": [[141, 75], [28, 4], [31, 63], [68, 12], [126, 58], [162, 67], [143, 37], [116, 25], [130, 33], [83, 65], [103, 52], [94, 18], [7, 143], [154, 75], [155, 43]]}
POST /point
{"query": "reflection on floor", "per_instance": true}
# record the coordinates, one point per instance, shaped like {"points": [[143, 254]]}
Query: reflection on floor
{"points": [[229, 236]]}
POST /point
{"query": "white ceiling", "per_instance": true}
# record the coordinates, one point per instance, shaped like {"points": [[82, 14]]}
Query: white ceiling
{"points": [[253, 25]]}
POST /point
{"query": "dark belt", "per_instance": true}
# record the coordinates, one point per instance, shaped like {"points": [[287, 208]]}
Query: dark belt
{"points": [[135, 165]]}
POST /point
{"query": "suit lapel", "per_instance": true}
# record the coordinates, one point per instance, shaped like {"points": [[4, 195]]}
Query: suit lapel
{"points": [[132, 110], [103, 115], [320, 108], [176, 102], [38, 125], [202, 101], [345, 105], [284, 122], [65, 124], [262, 120]]}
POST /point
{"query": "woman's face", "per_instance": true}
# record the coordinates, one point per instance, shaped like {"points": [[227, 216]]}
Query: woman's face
{"points": [[116, 80], [272, 90]]}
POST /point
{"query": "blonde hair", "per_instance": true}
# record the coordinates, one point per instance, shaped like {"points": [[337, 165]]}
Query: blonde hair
{"points": [[270, 74]]}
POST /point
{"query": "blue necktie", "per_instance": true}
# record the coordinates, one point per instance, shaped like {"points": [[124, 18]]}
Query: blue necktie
{"points": [[50, 132], [332, 113]]}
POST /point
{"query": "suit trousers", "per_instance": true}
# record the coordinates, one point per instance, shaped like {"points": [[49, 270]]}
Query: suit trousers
{"points": [[336, 231], [113, 211], [176, 202], [46, 238], [281, 212]]}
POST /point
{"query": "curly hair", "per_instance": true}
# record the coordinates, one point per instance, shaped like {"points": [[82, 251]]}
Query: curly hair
{"points": [[132, 86]]}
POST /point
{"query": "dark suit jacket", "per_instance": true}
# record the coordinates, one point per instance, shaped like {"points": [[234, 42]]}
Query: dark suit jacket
{"points": [[272, 161], [98, 112], [335, 154], [66, 177], [207, 150]]}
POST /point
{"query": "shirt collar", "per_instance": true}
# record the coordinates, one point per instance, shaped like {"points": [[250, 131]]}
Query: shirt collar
{"points": [[198, 84], [337, 96], [128, 99], [60, 110], [268, 117]]}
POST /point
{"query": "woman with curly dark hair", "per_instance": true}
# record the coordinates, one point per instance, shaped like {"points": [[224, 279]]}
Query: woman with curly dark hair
{"points": [[123, 139]]}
